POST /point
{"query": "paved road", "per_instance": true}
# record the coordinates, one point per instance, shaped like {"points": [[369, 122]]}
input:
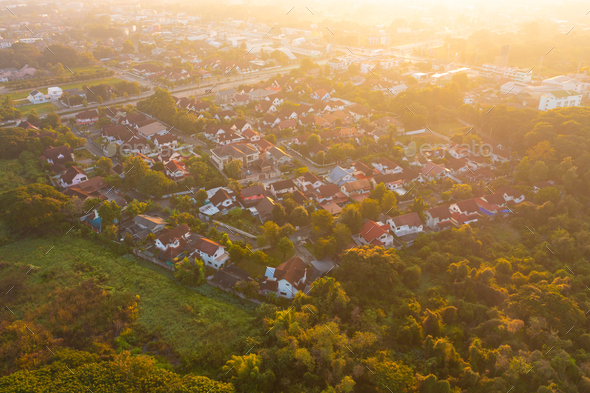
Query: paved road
{"points": [[97, 151], [188, 90]]}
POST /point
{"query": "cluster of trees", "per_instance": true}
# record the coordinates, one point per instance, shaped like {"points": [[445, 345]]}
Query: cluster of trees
{"points": [[14, 141], [332, 236], [7, 110], [20, 54], [138, 175]]}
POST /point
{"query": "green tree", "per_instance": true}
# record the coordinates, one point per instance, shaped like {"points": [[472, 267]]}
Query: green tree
{"points": [[104, 165], [245, 373], [312, 140], [190, 273], [352, 217], [369, 264], [342, 236], [322, 219], [154, 184], [285, 246], [36, 208], [299, 217], [233, 169], [134, 168], [109, 212], [462, 191], [270, 231], [370, 208], [201, 196]]}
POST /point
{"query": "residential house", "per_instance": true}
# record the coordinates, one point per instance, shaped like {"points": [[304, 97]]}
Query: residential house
{"points": [[287, 124], [438, 218], [246, 152], [166, 140], [228, 138], [510, 194], [386, 166], [212, 253], [87, 189], [58, 157], [117, 134], [282, 187], [240, 126], [309, 181], [278, 156], [176, 170], [36, 97], [173, 242], [358, 111], [391, 181], [148, 70], [328, 193], [376, 233], [87, 117], [287, 279], [264, 208], [339, 175], [266, 107], [223, 200], [54, 93], [225, 95], [396, 89], [72, 176], [142, 225], [433, 171], [406, 224], [252, 195], [251, 135], [271, 120], [225, 115], [150, 130], [457, 166], [465, 212], [356, 187], [321, 94]]}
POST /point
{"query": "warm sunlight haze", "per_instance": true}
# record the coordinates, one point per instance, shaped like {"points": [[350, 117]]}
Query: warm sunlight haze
{"points": [[256, 196]]}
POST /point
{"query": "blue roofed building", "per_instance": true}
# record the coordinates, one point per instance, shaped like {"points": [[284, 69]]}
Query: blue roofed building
{"points": [[341, 176]]}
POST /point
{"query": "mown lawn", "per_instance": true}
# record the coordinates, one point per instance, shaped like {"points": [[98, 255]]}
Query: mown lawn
{"points": [[22, 94], [46, 107], [189, 322], [80, 85]]}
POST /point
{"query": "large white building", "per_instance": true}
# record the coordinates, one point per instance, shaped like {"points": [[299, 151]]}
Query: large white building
{"points": [[559, 99], [563, 82], [513, 73]]}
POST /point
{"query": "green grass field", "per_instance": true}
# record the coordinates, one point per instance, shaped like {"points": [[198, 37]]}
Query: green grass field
{"points": [[25, 93], [448, 128], [83, 154], [46, 107], [80, 85], [22, 94], [191, 323], [87, 69]]}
